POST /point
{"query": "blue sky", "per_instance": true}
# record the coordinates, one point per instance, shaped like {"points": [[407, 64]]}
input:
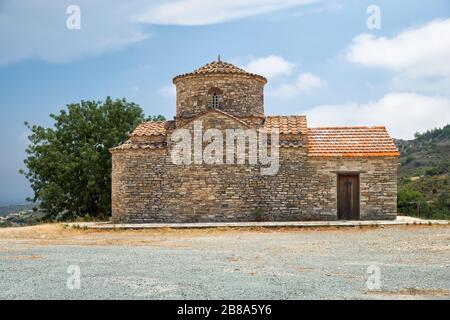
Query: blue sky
{"points": [[320, 57]]}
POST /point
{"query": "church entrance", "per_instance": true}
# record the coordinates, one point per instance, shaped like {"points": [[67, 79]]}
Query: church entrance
{"points": [[348, 197]]}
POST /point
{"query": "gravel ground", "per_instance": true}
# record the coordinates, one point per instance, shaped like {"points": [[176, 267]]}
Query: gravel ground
{"points": [[414, 262]]}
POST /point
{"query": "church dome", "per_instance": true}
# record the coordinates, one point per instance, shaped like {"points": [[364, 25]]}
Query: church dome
{"points": [[220, 68], [219, 85]]}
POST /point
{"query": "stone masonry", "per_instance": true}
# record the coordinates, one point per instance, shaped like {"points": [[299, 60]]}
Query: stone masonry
{"points": [[148, 187]]}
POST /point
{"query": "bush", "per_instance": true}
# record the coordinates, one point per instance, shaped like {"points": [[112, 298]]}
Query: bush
{"points": [[441, 207], [412, 203], [408, 160], [433, 171], [259, 214]]}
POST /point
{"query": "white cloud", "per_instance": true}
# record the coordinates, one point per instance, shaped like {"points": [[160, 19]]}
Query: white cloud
{"points": [[424, 85], [419, 52], [403, 114], [320, 8], [204, 12], [270, 66], [37, 30], [168, 91], [305, 83]]}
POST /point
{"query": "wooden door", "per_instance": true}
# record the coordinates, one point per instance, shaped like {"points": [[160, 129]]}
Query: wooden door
{"points": [[348, 197]]}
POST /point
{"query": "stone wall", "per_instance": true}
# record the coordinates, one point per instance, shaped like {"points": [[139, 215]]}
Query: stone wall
{"points": [[242, 95], [377, 179], [147, 187]]}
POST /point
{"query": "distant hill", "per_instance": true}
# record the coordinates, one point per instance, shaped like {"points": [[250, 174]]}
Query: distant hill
{"points": [[20, 215], [428, 153], [424, 174], [6, 210]]}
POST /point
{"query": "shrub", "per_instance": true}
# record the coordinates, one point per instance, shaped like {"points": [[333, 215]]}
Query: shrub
{"points": [[411, 202], [259, 214], [441, 207], [408, 160], [433, 171]]}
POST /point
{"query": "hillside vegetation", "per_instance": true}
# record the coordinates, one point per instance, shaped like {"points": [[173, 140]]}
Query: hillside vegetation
{"points": [[424, 174]]}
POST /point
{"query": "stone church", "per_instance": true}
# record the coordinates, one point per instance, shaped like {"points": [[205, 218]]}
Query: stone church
{"points": [[326, 173]]}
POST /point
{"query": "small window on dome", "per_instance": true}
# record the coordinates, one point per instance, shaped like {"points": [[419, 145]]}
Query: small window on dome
{"points": [[215, 101], [214, 98]]}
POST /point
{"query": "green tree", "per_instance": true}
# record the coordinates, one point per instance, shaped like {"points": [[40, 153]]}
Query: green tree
{"points": [[69, 165], [441, 207], [156, 118], [411, 202]]}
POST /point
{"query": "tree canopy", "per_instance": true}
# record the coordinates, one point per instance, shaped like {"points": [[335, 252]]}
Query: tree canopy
{"points": [[69, 165]]}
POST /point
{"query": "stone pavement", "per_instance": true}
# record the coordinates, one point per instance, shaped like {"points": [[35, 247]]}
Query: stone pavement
{"points": [[401, 220]]}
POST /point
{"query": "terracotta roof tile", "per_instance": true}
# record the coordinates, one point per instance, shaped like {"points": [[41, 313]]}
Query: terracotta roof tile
{"points": [[153, 128], [286, 124], [350, 142], [139, 145], [218, 67], [322, 142]]}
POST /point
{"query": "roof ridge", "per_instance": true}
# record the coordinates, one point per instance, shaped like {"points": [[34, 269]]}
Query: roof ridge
{"points": [[282, 115], [219, 67], [347, 127], [155, 121]]}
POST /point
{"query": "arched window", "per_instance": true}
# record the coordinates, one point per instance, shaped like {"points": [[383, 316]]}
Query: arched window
{"points": [[215, 101], [215, 98]]}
